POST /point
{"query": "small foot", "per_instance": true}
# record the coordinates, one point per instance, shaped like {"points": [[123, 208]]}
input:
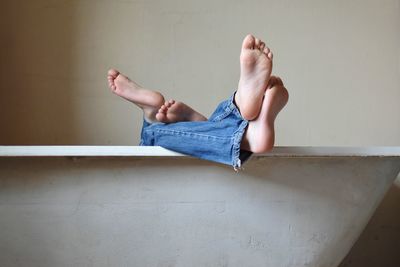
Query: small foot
{"points": [[148, 100], [255, 71], [175, 111]]}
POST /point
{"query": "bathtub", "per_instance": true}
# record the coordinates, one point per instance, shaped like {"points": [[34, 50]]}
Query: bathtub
{"points": [[147, 206]]}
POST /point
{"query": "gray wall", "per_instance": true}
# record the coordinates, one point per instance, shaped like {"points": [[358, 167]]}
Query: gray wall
{"points": [[340, 61]]}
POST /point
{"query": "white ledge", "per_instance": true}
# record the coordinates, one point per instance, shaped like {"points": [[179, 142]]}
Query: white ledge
{"points": [[156, 151]]}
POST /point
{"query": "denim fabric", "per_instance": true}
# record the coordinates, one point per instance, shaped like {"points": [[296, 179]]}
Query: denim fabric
{"points": [[217, 139]]}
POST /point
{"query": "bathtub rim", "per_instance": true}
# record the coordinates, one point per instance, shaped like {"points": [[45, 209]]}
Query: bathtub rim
{"points": [[156, 151]]}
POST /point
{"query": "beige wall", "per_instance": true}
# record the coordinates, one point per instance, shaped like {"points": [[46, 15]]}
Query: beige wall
{"points": [[340, 61]]}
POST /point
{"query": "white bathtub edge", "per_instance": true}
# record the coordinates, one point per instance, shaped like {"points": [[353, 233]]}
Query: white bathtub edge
{"points": [[156, 151]]}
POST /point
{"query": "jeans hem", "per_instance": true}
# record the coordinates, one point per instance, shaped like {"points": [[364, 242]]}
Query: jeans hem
{"points": [[236, 159], [173, 136]]}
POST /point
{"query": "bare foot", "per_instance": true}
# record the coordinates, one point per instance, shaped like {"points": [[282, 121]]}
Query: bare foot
{"points": [[149, 101], [255, 71], [260, 134], [173, 111]]}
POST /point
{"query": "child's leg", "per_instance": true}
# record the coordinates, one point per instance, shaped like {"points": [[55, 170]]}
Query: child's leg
{"points": [[255, 68], [149, 101], [155, 108], [260, 134], [217, 139]]}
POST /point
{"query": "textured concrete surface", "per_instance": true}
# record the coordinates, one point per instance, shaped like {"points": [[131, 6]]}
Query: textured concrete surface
{"points": [[186, 212]]}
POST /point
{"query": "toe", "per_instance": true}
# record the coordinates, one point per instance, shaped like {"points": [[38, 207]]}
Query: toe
{"points": [[270, 55], [274, 81], [262, 46], [266, 50], [279, 80], [248, 42], [161, 117], [113, 73], [162, 110], [257, 43], [172, 101]]}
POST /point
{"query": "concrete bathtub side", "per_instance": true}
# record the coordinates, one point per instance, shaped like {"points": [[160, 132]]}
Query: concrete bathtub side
{"points": [[178, 211]]}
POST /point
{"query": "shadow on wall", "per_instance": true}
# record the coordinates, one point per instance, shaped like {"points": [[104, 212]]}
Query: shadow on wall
{"points": [[37, 69], [378, 245]]}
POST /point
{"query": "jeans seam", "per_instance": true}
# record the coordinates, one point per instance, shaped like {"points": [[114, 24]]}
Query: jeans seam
{"points": [[225, 139], [175, 132], [222, 116]]}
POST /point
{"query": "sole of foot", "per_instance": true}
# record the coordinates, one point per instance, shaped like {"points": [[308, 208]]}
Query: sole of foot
{"points": [[260, 134], [148, 100], [255, 71], [175, 111]]}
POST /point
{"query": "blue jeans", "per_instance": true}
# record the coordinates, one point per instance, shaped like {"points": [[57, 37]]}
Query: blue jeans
{"points": [[217, 139]]}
